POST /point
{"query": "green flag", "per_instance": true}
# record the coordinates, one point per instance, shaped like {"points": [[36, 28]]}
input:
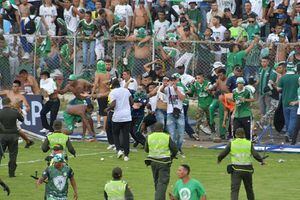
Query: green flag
{"points": [[45, 47]]}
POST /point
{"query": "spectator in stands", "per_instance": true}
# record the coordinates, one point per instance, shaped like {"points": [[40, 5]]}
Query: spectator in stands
{"points": [[88, 30], [161, 26], [231, 81], [140, 16], [274, 37], [248, 10], [215, 11], [48, 14], [11, 14], [296, 23], [237, 32], [102, 34], [163, 6], [194, 15], [124, 10], [14, 47], [226, 18], [217, 28], [253, 26], [70, 16]]}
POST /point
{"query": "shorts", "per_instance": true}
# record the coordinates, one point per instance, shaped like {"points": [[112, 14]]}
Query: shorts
{"points": [[70, 120], [102, 104]]}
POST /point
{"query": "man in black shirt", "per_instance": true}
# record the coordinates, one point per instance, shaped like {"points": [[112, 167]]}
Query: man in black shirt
{"points": [[9, 134]]}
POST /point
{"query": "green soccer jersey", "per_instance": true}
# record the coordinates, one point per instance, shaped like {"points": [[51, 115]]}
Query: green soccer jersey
{"points": [[263, 79], [204, 98], [87, 28], [195, 16], [57, 186], [289, 85], [185, 89], [192, 190], [242, 108], [234, 59], [252, 30]]}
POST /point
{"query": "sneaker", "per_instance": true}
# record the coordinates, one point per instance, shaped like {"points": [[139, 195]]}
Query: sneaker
{"points": [[99, 126], [26, 56], [30, 143], [102, 133], [120, 154], [205, 129], [180, 152], [44, 130], [195, 136], [126, 158], [111, 146]]}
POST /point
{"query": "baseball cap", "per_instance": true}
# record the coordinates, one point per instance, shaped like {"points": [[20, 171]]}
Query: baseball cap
{"points": [[238, 68], [157, 67], [276, 65], [282, 34], [141, 33], [281, 16], [217, 65], [72, 77], [240, 80], [145, 75], [180, 66], [281, 6], [176, 76], [101, 67], [291, 67]]}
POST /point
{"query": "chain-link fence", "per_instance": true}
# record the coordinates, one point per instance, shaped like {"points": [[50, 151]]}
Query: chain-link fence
{"points": [[64, 55]]}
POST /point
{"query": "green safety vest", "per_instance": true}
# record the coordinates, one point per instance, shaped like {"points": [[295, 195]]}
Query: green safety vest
{"points": [[115, 190], [240, 152], [159, 145], [57, 138]]}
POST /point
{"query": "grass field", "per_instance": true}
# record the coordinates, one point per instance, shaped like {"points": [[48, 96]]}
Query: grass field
{"points": [[273, 181]]}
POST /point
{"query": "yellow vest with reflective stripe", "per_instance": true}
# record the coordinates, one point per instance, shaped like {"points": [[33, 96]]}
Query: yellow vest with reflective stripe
{"points": [[159, 145], [58, 138], [115, 190], [240, 152]]}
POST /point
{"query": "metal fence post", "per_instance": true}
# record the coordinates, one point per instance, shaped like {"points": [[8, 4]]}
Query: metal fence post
{"points": [[34, 56], [74, 57]]}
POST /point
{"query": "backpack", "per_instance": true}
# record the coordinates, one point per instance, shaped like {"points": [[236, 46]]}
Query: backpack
{"points": [[30, 26]]}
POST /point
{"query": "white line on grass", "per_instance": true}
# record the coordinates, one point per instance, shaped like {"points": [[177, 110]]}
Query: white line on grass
{"points": [[39, 160]]}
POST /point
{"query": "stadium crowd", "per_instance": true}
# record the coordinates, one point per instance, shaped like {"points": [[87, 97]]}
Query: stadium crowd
{"points": [[224, 54]]}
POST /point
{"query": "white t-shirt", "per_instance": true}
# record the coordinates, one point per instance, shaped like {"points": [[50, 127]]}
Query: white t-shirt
{"points": [[218, 32], [70, 19], [186, 79], [48, 13], [48, 85], [122, 110], [257, 7], [173, 100], [273, 37], [161, 28], [132, 85], [153, 103], [124, 11]]}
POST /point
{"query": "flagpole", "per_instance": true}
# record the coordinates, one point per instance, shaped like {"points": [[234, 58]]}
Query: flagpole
{"points": [[34, 57]]}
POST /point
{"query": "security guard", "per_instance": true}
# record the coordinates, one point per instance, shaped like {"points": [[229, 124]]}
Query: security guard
{"points": [[117, 189], [58, 138], [241, 167], [161, 151]]}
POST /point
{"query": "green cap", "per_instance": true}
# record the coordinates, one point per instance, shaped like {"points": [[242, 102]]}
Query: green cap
{"points": [[240, 80], [176, 75], [141, 33], [7, 5], [276, 65], [72, 77], [58, 158], [101, 67]]}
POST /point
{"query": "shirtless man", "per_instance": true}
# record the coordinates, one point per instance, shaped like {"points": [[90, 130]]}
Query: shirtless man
{"points": [[18, 100], [79, 87], [101, 90], [140, 16], [142, 51], [28, 83]]}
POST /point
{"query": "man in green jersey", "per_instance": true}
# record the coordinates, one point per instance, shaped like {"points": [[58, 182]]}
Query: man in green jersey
{"points": [[242, 111], [88, 29], [288, 85], [56, 177], [241, 168], [187, 188], [117, 188], [201, 89]]}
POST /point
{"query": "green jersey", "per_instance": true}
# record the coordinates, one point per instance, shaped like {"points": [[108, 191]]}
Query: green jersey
{"points": [[57, 186], [238, 32], [264, 73], [87, 28], [289, 85], [204, 97], [234, 59], [192, 190], [195, 16], [242, 108], [185, 89]]}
